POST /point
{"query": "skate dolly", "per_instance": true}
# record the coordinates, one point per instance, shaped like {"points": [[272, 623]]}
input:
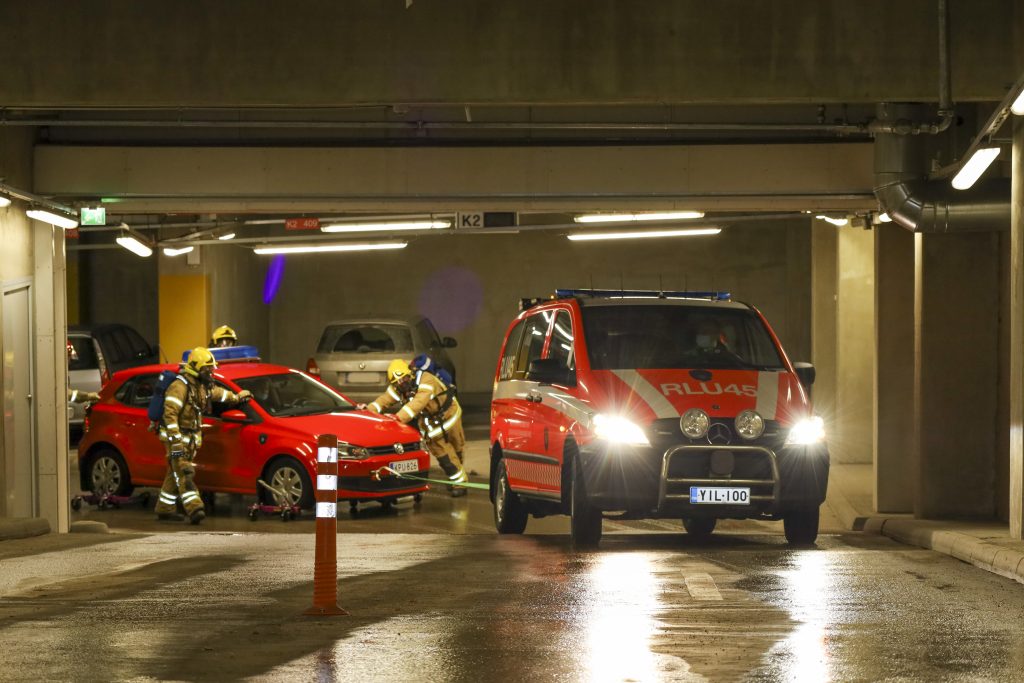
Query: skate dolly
{"points": [[286, 511], [387, 499], [105, 500]]}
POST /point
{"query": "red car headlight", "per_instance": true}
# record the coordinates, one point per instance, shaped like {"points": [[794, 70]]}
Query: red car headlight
{"points": [[351, 452]]}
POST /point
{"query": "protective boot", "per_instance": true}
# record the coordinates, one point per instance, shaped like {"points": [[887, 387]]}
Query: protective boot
{"points": [[455, 473], [197, 517]]}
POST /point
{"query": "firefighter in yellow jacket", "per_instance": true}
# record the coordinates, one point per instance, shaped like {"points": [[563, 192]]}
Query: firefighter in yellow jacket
{"points": [[437, 413], [187, 398]]}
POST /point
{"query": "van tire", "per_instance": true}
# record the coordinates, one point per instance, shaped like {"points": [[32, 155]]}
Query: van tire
{"points": [[700, 527], [584, 518], [510, 516], [801, 526]]}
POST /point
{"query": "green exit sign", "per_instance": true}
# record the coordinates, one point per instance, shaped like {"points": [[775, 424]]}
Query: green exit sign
{"points": [[97, 216]]}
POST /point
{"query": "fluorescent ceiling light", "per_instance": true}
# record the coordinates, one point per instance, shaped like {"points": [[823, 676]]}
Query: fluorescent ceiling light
{"points": [[838, 222], [168, 251], [52, 218], [317, 248], [884, 218], [134, 242], [633, 217], [4, 202], [227, 236], [1018, 104], [589, 236], [975, 166], [384, 227]]}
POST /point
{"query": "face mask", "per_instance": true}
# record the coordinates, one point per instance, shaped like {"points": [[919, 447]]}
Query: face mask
{"points": [[206, 376]]}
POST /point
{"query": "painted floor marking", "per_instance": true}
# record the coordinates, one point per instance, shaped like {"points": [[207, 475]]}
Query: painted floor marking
{"points": [[702, 587]]}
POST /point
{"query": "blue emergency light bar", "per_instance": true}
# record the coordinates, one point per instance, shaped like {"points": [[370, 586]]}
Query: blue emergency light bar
{"points": [[641, 293], [227, 354]]}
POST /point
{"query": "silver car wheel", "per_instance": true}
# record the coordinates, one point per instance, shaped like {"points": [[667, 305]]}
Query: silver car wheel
{"points": [[288, 481], [106, 474]]}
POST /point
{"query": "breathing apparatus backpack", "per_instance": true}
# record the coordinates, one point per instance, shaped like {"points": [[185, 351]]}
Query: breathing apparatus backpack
{"points": [[426, 363], [155, 412]]}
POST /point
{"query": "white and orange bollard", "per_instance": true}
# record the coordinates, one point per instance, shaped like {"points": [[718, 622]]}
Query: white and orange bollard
{"points": [[325, 567]]}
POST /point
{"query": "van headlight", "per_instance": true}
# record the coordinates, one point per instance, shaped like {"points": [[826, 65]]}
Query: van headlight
{"points": [[806, 432], [617, 429], [749, 425], [694, 423]]}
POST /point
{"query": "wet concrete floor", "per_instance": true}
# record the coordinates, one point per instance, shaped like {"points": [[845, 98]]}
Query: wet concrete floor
{"points": [[446, 607]]}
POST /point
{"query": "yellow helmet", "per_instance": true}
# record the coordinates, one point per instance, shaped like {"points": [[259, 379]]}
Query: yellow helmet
{"points": [[199, 358], [223, 333], [397, 370]]}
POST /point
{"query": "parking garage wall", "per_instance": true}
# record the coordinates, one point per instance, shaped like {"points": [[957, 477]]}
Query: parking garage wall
{"points": [[121, 289], [470, 286]]}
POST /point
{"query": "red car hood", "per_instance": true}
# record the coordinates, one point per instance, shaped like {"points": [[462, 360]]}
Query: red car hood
{"points": [[646, 395], [359, 428]]}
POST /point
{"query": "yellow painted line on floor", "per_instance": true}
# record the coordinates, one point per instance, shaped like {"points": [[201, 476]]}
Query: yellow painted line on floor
{"points": [[702, 587]]}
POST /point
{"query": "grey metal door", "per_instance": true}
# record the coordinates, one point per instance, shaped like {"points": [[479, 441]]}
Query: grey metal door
{"points": [[19, 461]]}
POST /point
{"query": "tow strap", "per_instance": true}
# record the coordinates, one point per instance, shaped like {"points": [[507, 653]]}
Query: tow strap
{"points": [[440, 482]]}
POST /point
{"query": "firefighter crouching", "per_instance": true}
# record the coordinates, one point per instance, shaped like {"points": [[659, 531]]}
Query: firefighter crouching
{"points": [[187, 398], [437, 412]]}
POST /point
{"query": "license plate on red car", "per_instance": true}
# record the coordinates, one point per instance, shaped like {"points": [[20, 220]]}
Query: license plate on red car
{"points": [[405, 466], [720, 495]]}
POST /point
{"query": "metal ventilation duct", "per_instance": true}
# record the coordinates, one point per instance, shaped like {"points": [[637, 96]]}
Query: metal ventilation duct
{"points": [[920, 205]]}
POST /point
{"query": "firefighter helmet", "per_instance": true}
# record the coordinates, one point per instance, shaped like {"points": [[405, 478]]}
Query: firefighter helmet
{"points": [[397, 370], [223, 336], [198, 359]]}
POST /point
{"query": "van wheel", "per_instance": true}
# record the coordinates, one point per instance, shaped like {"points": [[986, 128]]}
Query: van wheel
{"points": [[510, 516], [801, 526], [584, 518], [108, 473], [288, 476], [700, 527]]}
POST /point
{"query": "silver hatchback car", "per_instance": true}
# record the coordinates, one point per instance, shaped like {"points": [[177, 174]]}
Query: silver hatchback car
{"points": [[353, 355]]}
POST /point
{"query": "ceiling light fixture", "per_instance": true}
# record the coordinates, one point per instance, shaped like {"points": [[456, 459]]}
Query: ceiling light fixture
{"points": [[227, 236], [385, 227], [52, 218], [633, 217], [168, 251], [134, 242], [320, 248], [687, 232], [4, 202], [838, 222], [884, 218], [975, 166], [1018, 104]]}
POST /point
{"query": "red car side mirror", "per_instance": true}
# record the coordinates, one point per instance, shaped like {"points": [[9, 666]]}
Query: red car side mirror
{"points": [[234, 416]]}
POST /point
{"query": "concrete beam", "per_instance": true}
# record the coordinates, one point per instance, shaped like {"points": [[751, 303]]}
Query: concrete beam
{"points": [[714, 177], [239, 53]]}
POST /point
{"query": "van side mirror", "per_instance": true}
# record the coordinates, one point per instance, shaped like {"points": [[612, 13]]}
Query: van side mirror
{"points": [[805, 372], [449, 343], [550, 371]]}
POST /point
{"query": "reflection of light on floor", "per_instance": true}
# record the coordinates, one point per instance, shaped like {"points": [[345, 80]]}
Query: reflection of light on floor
{"points": [[809, 591], [624, 596]]}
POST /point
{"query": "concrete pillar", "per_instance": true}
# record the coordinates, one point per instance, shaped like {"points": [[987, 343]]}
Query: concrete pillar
{"points": [[1016, 380], [956, 372], [824, 251], [894, 370], [51, 375], [853, 439]]}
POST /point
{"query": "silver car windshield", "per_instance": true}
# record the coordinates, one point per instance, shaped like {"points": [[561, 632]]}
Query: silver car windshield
{"points": [[293, 393], [366, 338]]}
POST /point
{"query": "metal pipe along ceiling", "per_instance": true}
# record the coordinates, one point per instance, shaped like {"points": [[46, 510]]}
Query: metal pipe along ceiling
{"points": [[905, 193]]}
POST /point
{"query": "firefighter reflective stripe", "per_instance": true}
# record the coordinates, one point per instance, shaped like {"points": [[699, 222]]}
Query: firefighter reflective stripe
{"points": [[189, 496], [173, 425], [393, 394], [74, 395], [374, 407], [459, 476], [660, 406], [428, 387], [436, 432], [172, 399], [409, 411], [167, 498], [767, 394]]}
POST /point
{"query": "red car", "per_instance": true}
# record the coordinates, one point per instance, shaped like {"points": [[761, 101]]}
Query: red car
{"points": [[272, 437]]}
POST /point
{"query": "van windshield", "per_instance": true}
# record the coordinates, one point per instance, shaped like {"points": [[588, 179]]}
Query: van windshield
{"points": [[659, 336]]}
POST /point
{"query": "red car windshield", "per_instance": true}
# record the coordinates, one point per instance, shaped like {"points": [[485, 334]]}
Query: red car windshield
{"points": [[290, 394], [649, 337]]}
